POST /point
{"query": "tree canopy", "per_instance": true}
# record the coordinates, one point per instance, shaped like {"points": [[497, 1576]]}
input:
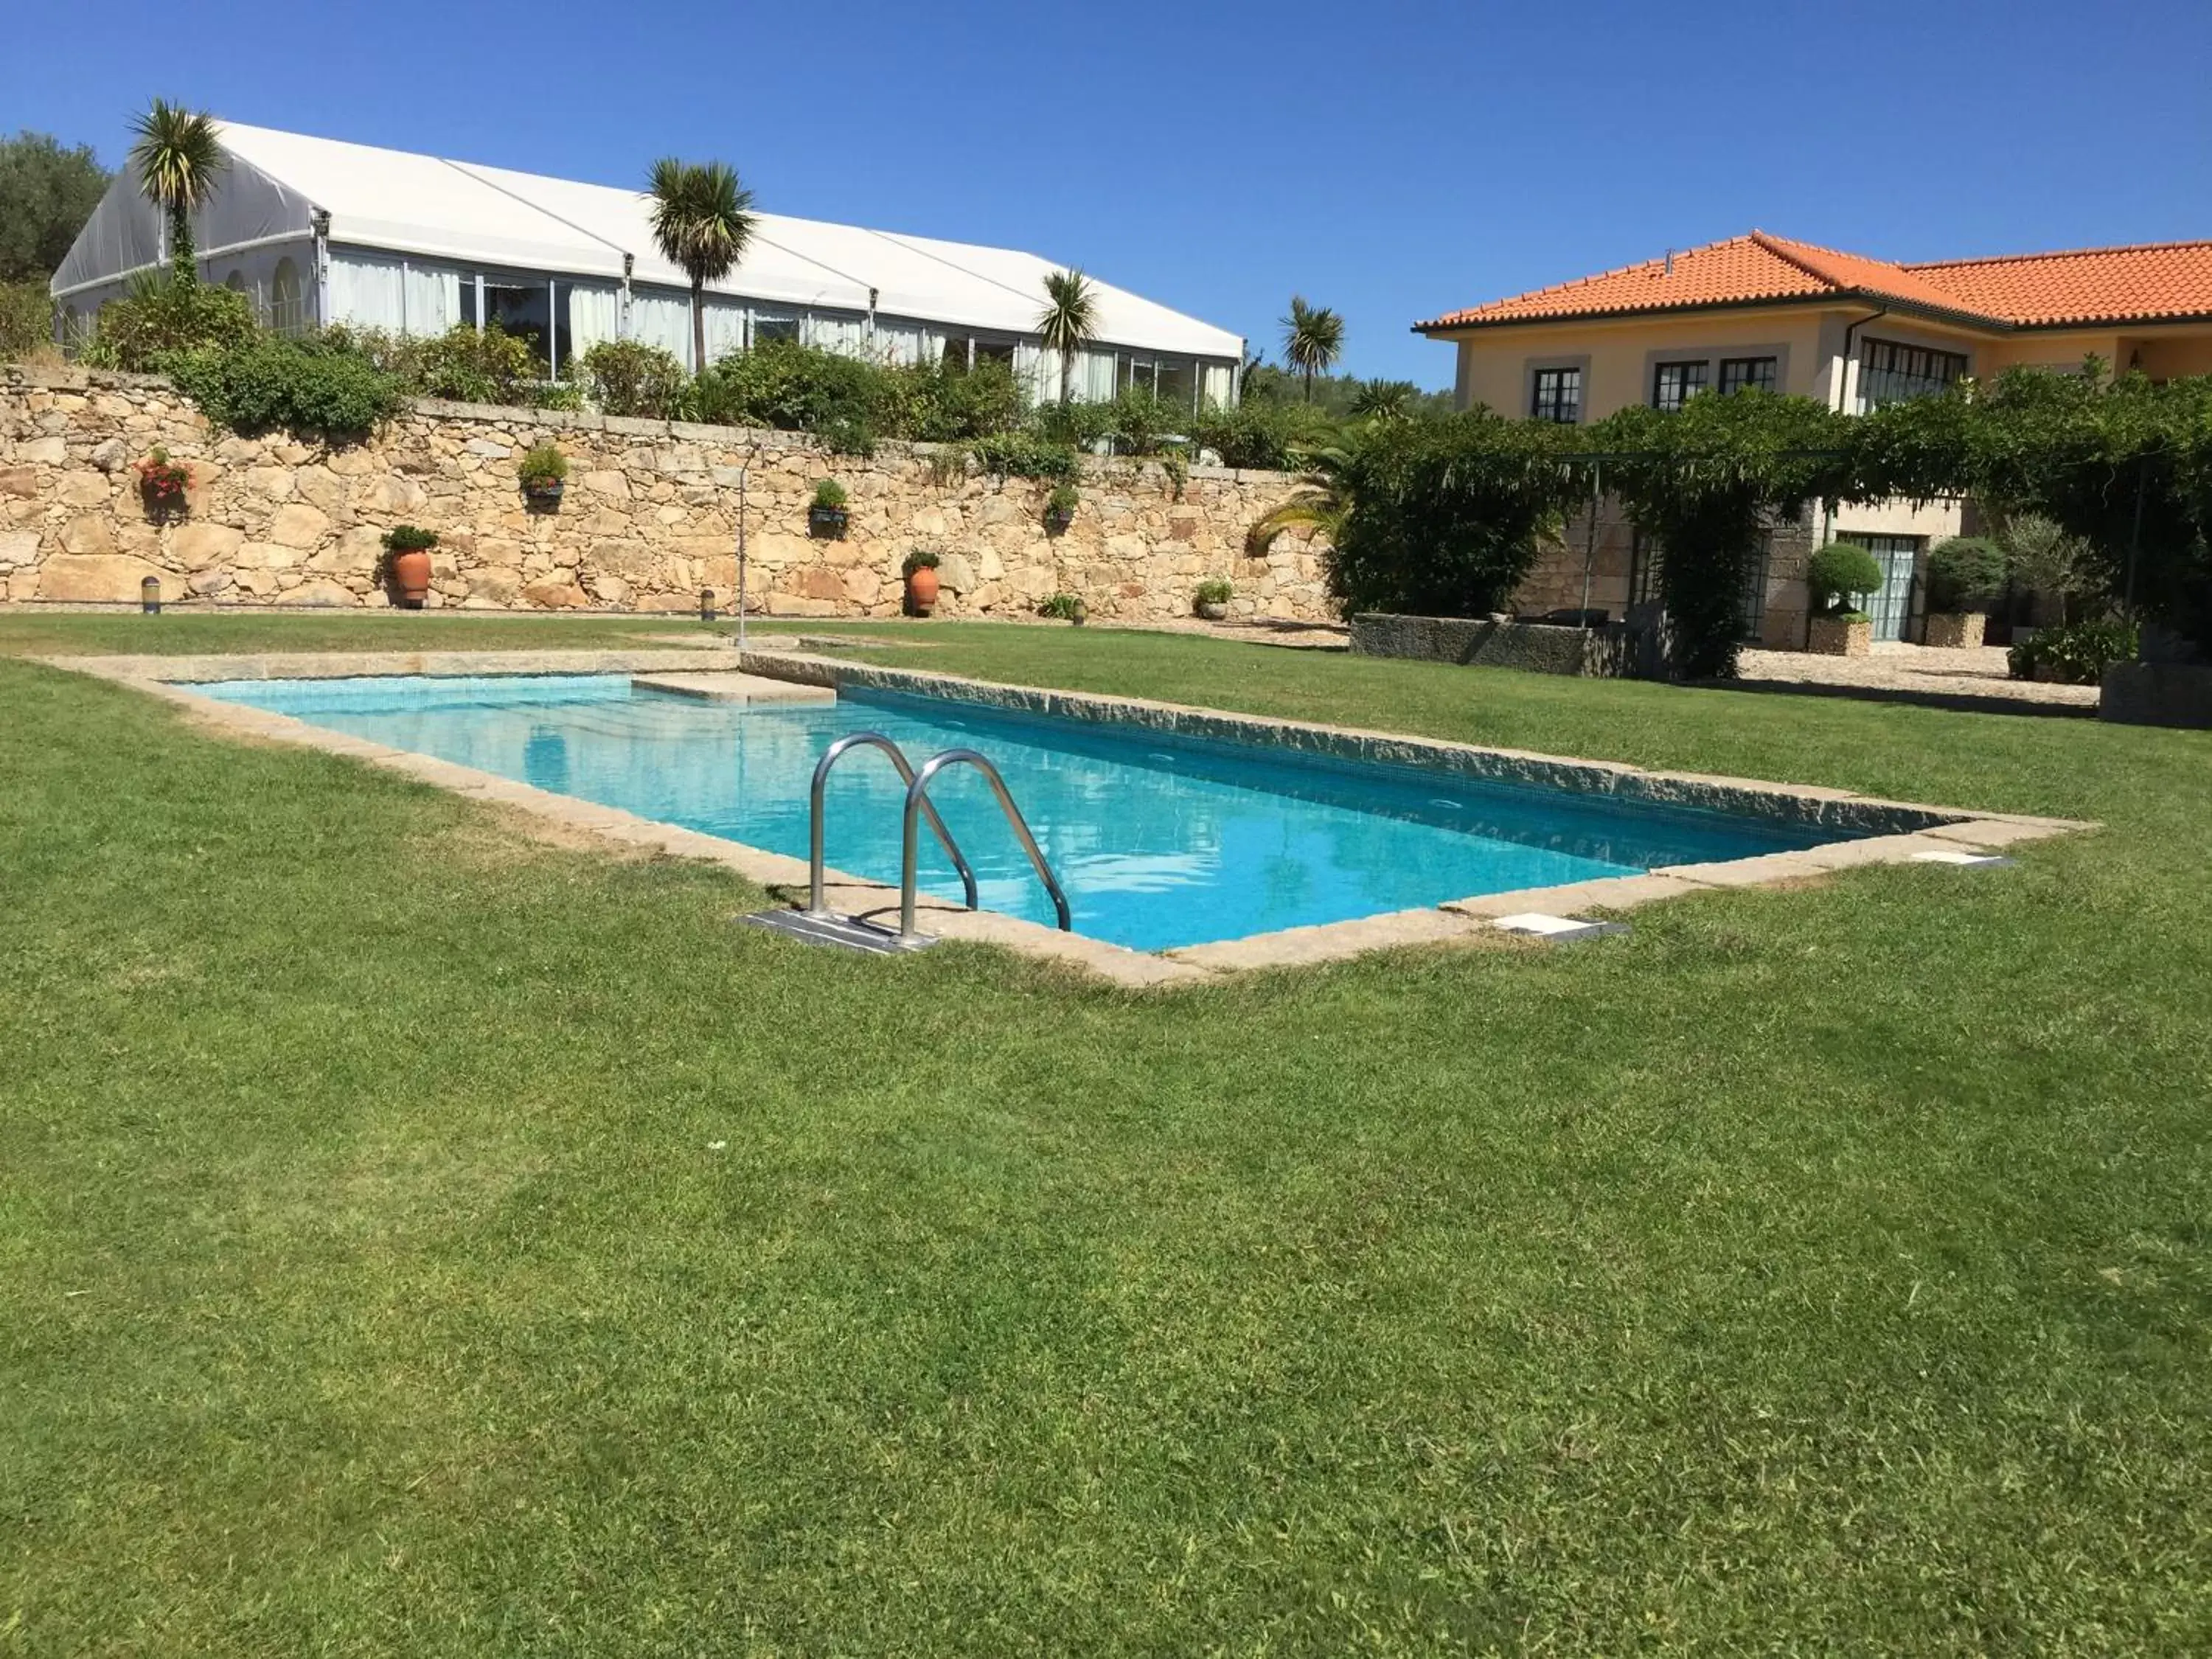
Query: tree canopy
{"points": [[46, 193]]}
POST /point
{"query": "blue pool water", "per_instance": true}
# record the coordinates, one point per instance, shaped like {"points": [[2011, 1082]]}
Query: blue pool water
{"points": [[1159, 839]]}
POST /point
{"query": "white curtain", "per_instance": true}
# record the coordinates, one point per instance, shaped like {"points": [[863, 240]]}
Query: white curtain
{"points": [[434, 298], [909, 342], [1037, 371], [594, 314], [848, 335], [1217, 384], [368, 292], [725, 329], [1093, 376], [664, 321]]}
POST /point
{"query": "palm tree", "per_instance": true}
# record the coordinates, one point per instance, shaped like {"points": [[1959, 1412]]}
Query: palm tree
{"points": [[1313, 339], [702, 218], [1323, 499], [1069, 319], [1384, 400], [178, 156]]}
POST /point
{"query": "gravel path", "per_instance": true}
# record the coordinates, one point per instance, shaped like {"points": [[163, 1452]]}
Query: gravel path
{"points": [[1974, 672]]}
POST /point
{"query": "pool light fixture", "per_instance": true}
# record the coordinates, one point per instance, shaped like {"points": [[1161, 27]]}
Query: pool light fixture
{"points": [[705, 604], [149, 596]]}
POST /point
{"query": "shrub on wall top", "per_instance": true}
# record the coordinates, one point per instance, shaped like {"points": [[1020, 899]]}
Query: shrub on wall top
{"points": [[630, 378], [160, 317], [301, 386]]}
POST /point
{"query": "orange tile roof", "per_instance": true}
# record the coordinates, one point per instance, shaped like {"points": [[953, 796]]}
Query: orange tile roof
{"points": [[2032, 290], [2083, 285]]}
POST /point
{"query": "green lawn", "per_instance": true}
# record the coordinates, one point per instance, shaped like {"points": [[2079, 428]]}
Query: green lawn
{"points": [[415, 1239]]}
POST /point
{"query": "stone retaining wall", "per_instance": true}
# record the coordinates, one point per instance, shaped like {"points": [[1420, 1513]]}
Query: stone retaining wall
{"points": [[650, 517], [1537, 647]]}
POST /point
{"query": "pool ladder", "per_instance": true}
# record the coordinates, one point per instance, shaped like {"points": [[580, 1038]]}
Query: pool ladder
{"points": [[918, 805]]}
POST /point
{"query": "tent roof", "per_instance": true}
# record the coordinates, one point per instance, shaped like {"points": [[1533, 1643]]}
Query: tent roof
{"points": [[406, 203]]}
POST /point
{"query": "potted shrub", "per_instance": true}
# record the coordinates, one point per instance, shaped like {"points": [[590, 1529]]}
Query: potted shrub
{"points": [[1837, 574], [1962, 574], [544, 476], [827, 517], [1066, 607], [405, 568], [1211, 601], [162, 484], [1060, 508], [921, 572]]}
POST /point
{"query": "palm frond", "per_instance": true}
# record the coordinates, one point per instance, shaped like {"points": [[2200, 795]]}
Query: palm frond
{"points": [[701, 216], [178, 155], [1070, 316]]}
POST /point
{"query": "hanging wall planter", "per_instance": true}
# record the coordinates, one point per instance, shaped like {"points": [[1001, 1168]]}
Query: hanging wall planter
{"points": [[544, 477], [826, 517], [1060, 509], [162, 486]]}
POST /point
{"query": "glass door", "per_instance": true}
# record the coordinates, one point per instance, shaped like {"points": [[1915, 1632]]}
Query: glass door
{"points": [[1890, 605]]}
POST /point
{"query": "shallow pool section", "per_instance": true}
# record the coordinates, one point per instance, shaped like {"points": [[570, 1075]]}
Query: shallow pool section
{"points": [[1160, 840]]}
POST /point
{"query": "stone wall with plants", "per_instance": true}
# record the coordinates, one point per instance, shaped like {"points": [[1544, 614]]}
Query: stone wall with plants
{"points": [[647, 519]]}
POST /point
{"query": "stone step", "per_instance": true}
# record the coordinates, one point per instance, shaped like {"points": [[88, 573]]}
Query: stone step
{"points": [[728, 686]]}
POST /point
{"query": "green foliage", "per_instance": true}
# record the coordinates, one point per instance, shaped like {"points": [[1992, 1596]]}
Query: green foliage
{"points": [[178, 158], [1079, 426], [2046, 561], [1173, 463], [797, 388], [1838, 572], [1022, 454], [932, 403], [629, 378], [1063, 500], [1709, 481], [1069, 319], [1322, 498], [922, 558], [312, 388], [473, 366], [1063, 607], [702, 220], [1964, 572], [27, 320], [46, 193], [829, 496], [1443, 519], [160, 315], [1141, 419], [409, 539], [544, 464], [1340, 396], [1263, 435], [1215, 590], [2073, 654], [1313, 339]]}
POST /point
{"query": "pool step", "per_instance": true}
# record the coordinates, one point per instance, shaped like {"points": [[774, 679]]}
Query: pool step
{"points": [[728, 686]]}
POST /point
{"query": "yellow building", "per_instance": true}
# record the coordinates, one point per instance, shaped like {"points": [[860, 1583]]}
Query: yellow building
{"points": [[1854, 332]]}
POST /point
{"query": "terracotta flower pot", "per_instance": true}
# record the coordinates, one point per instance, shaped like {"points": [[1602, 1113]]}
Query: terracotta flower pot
{"points": [[410, 576], [921, 592]]}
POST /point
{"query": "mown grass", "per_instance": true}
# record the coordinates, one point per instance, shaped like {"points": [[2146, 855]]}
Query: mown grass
{"points": [[415, 1239]]}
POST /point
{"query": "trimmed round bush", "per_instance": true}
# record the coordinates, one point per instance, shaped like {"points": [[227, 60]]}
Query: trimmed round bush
{"points": [[1839, 570], [1962, 570]]}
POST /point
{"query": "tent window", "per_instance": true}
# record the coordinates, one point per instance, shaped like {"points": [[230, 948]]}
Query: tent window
{"points": [[288, 308], [235, 281], [774, 328]]}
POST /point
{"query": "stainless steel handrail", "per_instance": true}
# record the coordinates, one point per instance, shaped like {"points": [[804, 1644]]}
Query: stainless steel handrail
{"points": [[815, 904], [917, 801]]}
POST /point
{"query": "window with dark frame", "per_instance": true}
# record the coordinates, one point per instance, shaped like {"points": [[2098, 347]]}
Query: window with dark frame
{"points": [[1557, 396], [1674, 384], [1754, 374], [1890, 372]]}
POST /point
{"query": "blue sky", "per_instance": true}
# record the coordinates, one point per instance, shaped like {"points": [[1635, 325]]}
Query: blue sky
{"points": [[1391, 160]]}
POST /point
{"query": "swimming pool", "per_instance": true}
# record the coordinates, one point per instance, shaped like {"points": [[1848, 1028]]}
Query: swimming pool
{"points": [[1161, 839]]}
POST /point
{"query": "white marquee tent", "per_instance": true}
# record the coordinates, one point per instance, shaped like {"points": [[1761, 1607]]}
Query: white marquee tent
{"points": [[317, 230]]}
